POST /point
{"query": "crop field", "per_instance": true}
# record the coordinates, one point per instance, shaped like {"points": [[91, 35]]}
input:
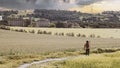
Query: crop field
{"points": [[87, 32], [37, 43], [20, 47]]}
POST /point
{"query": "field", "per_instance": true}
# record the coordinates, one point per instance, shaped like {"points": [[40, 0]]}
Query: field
{"points": [[18, 47], [103, 33], [35, 43], [105, 60]]}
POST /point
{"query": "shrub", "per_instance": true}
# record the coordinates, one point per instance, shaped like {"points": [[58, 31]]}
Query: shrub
{"points": [[70, 34], [83, 35], [39, 32], [25, 31], [99, 50], [21, 30], [2, 26], [79, 35], [61, 34], [16, 30], [110, 50], [7, 28], [44, 32], [32, 31]]}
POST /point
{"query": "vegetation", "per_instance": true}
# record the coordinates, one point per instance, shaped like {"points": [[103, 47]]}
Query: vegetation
{"points": [[88, 33], [105, 60], [67, 19], [107, 19], [18, 48], [94, 61]]}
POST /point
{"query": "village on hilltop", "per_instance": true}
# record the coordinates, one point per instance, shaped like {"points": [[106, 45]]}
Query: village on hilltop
{"points": [[59, 19]]}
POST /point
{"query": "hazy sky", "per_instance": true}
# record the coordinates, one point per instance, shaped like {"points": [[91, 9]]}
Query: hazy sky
{"points": [[80, 5], [104, 5]]}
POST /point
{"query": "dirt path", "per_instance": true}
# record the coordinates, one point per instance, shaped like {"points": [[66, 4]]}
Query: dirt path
{"points": [[48, 60], [41, 62]]}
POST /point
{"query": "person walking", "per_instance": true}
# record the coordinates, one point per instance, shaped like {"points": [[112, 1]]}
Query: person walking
{"points": [[87, 48]]}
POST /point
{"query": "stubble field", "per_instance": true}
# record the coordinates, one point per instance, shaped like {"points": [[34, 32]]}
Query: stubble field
{"points": [[19, 47]]}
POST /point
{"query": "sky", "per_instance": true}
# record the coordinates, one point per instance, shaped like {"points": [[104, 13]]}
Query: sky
{"points": [[89, 6], [105, 5]]}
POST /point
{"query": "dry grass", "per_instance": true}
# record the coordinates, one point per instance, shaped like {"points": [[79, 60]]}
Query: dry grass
{"points": [[106, 60], [17, 42], [16, 47], [95, 61]]}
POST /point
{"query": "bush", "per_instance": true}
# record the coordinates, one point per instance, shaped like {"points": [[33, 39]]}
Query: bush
{"points": [[21, 30], [7, 28], [61, 34], [31, 31], [79, 35], [39, 32], [16, 30], [44, 32], [83, 35], [70, 34], [99, 50], [25, 31], [4, 27]]}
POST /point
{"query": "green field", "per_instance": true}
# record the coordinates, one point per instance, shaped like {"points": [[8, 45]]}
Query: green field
{"points": [[18, 47]]}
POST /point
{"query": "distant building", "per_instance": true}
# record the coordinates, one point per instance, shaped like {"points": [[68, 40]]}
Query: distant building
{"points": [[16, 22], [1, 18], [42, 23]]}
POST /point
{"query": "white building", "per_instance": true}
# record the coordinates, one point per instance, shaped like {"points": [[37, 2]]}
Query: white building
{"points": [[42, 23], [1, 18]]}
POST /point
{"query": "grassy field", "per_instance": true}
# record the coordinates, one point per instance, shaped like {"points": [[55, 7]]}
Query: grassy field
{"points": [[17, 47], [95, 61], [106, 60]]}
